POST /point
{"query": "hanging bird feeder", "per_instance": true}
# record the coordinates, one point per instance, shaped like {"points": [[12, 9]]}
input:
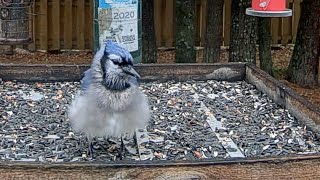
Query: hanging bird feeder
{"points": [[15, 22], [269, 8]]}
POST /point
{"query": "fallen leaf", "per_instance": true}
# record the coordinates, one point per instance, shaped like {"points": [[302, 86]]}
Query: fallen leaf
{"points": [[197, 154], [39, 85], [158, 155]]}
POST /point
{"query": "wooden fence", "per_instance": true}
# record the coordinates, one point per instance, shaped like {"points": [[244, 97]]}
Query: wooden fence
{"points": [[64, 24], [67, 24]]}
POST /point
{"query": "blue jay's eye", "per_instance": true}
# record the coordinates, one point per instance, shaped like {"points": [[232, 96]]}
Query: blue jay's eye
{"points": [[119, 63], [116, 62]]}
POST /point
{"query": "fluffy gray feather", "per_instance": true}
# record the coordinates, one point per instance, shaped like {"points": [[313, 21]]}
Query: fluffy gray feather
{"points": [[109, 102]]}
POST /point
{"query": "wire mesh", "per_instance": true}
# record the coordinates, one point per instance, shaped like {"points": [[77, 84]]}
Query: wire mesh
{"points": [[16, 22]]}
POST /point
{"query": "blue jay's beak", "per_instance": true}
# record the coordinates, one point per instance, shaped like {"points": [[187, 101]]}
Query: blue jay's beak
{"points": [[130, 71]]}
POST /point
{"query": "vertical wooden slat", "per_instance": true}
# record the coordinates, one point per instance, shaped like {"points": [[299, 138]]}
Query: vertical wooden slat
{"points": [[275, 30], [43, 25], [89, 19], [227, 22], [36, 23], [203, 21], [55, 35], [32, 26], [173, 26], [157, 20], [80, 24], [286, 27], [198, 21], [67, 24], [163, 21], [296, 17], [285, 30], [169, 23]]}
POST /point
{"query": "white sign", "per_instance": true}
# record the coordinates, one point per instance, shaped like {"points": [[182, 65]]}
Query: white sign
{"points": [[118, 22]]}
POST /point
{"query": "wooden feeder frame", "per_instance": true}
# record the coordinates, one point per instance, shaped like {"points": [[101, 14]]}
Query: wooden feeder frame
{"points": [[290, 167]]}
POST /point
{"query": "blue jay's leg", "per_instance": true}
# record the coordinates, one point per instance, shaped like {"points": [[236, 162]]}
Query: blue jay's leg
{"points": [[90, 147], [121, 152]]}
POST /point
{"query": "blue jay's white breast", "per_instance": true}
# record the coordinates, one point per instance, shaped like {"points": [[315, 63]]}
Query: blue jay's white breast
{"points": [[102, 113]]}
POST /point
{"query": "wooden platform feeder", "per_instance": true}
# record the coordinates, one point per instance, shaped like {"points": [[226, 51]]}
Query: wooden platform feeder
{"points": [[280, 167], [15, 22], [269, 8]]}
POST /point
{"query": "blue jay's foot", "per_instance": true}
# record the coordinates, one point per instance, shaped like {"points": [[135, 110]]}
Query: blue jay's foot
{"points": [[122, 150]]}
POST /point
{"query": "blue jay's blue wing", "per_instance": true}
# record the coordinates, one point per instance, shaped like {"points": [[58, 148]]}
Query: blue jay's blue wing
{"points": [[85, 81]]}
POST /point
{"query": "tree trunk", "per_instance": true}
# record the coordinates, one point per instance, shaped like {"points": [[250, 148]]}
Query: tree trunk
{"points": [[185, 31], [243, 37], [149, 47], [214, 31], [264, 38], [303, 68]]}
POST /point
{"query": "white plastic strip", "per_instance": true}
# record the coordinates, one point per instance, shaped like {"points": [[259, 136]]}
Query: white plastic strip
{"points": [[226, 142], [142, 138]]}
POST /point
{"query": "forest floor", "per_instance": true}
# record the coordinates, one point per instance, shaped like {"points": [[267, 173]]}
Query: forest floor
{"points": [[281, 57]]}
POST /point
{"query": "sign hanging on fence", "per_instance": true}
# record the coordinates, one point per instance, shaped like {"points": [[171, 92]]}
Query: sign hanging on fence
{"points": [[118, 21]]}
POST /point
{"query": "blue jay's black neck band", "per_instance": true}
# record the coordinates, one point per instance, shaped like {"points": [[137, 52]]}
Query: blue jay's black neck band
{"points": [[116, 86]]}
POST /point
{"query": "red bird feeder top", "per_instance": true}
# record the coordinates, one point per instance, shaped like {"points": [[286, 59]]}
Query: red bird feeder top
{"points": [[269, 8]]}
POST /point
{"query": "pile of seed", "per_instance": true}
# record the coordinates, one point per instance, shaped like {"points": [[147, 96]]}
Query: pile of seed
{"points": [[259, 126], [34, 124]]}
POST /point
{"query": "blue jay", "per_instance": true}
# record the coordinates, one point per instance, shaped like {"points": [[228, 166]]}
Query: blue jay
{"points": [[109, 102]]}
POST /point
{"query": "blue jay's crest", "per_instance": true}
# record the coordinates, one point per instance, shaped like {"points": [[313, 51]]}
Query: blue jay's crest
{"points": [[115, 49]]}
